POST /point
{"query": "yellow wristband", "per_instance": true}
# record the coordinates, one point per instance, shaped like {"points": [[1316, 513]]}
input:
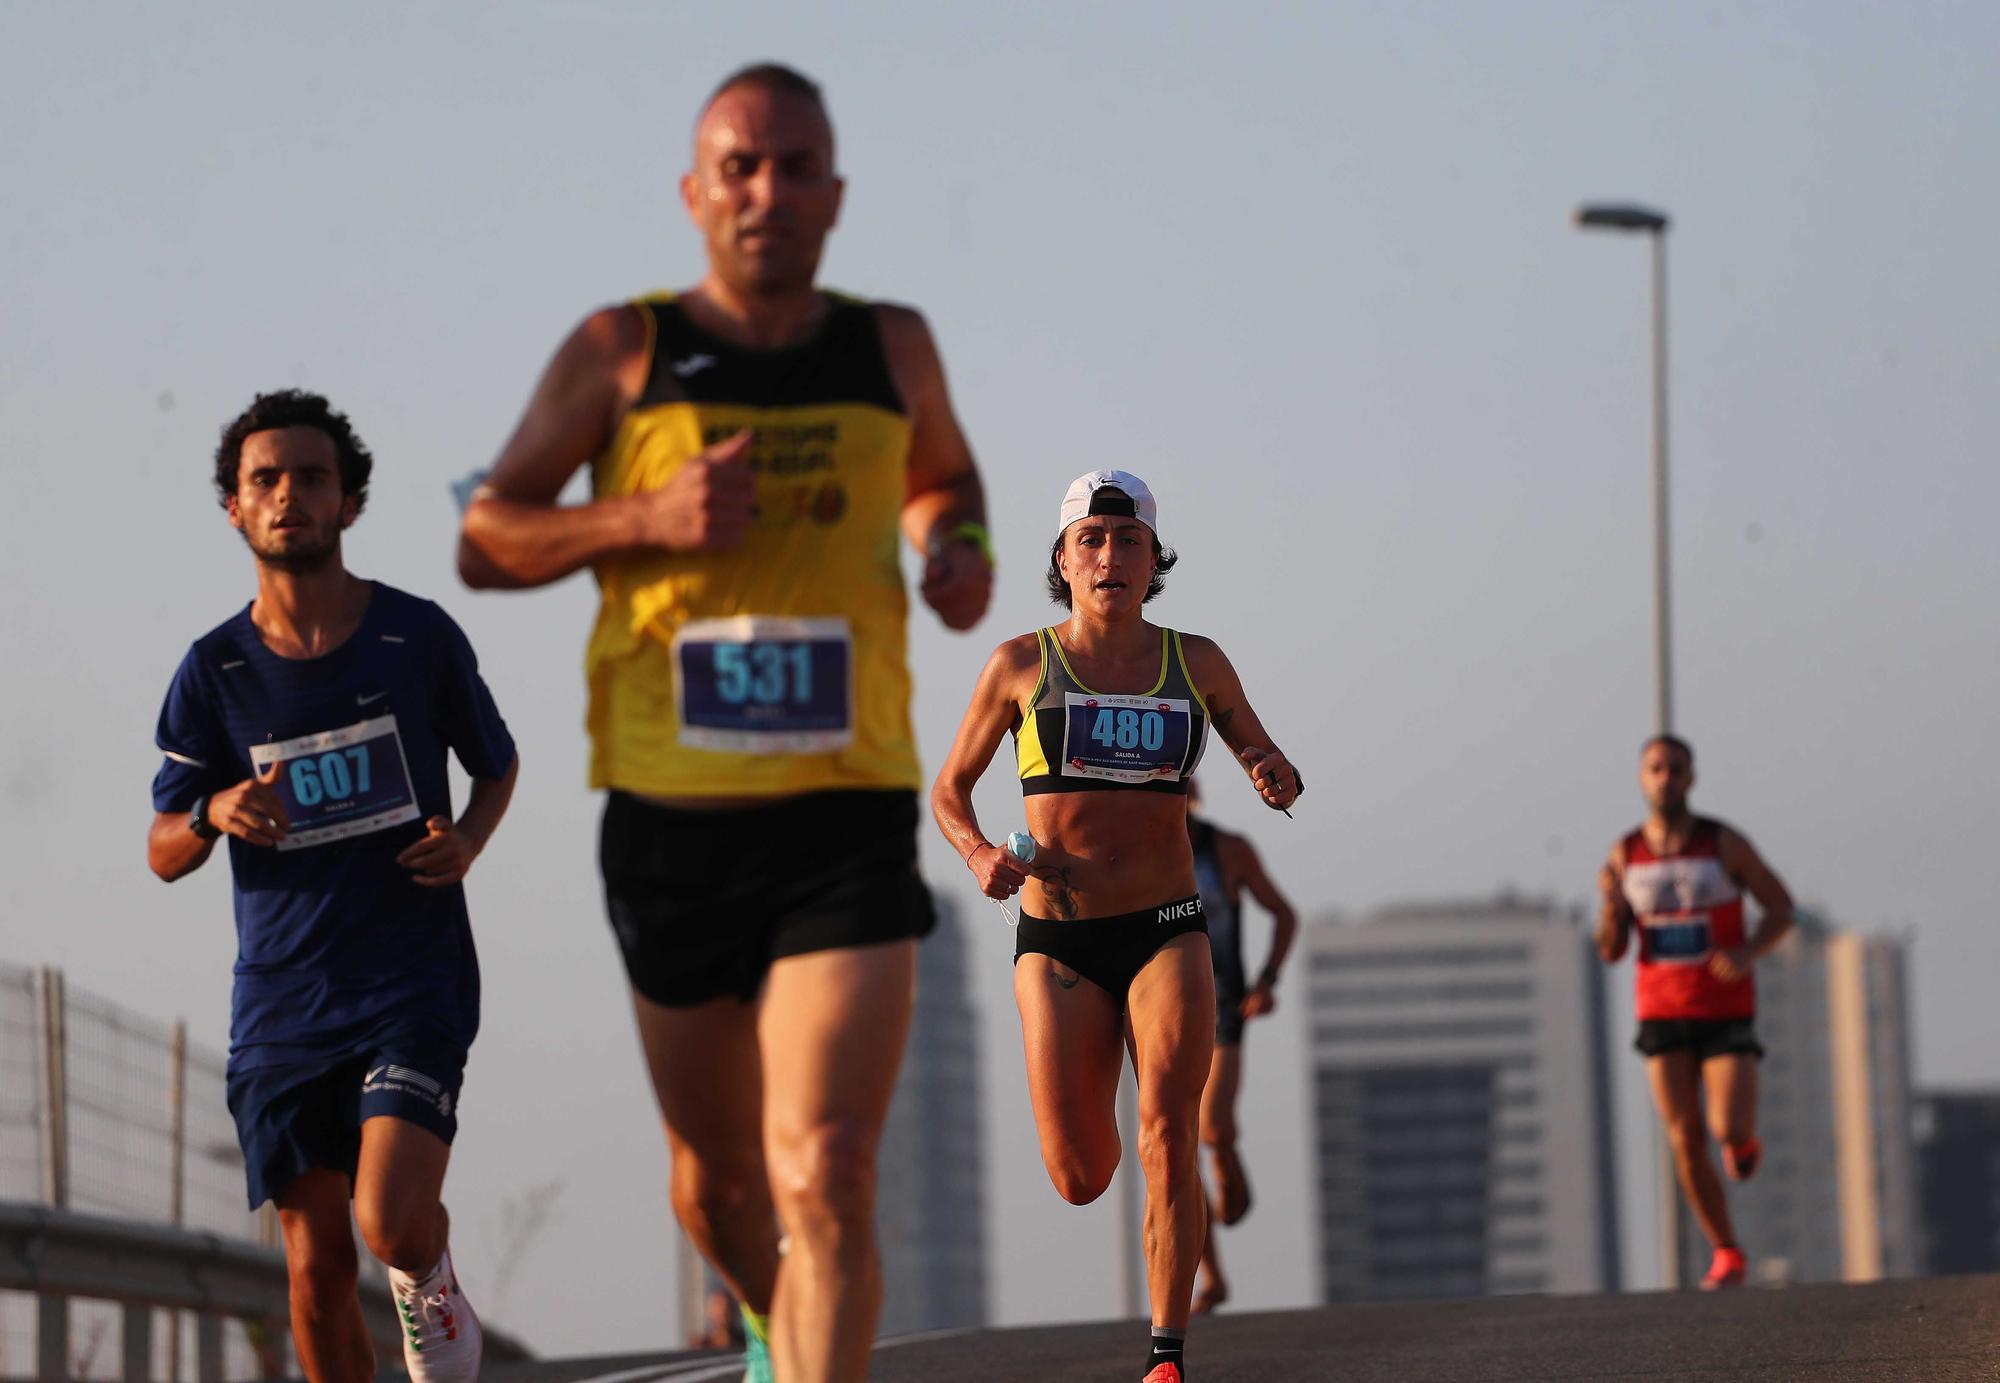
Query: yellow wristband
{"points": [[974, 532]]}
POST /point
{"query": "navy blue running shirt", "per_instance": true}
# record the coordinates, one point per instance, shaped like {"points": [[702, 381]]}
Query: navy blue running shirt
{"points": [[336, 942]]}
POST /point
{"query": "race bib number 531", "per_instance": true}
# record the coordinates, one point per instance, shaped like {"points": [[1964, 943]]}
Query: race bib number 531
{"points": [[341, 783], [758, 684]]}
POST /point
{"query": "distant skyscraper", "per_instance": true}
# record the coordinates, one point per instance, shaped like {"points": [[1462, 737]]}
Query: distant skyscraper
{"points": [[1835, 1197], [1958, 1156], [1462, 1103], [931, 1205]]}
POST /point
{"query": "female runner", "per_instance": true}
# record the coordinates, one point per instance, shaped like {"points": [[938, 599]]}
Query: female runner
{"points": [[1110, 715]]}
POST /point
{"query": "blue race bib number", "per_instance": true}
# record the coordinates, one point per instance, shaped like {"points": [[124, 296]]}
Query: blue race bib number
{"points": [[1125, 739], [341, 783], [762, 685], [1678, 939]]}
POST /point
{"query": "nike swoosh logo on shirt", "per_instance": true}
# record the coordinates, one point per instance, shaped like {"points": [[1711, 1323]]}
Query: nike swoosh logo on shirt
{"points": [[364, 700]]}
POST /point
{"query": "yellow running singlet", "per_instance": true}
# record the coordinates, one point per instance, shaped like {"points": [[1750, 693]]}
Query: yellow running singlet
{"points": [[1073, 739], [778, 667]]}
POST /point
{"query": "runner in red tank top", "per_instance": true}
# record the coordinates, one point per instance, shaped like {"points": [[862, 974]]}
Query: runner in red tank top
{"points": [[1679, 881]]}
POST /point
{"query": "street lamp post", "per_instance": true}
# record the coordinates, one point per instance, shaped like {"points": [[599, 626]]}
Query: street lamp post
{"points": [[1622, 217], [1615, 216]]}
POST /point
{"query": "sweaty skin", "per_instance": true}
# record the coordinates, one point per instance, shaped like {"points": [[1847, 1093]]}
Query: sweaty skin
{"points": [[1676, 1078], [1102, 854], [773, 1110], [1098, 854], [290, 508]]}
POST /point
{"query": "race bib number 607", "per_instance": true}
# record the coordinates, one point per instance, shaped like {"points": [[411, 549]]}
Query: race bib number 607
{"points": [[341, 783]]}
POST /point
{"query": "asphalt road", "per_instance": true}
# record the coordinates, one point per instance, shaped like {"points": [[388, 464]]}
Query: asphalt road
{"points": [[1938, 1330]]}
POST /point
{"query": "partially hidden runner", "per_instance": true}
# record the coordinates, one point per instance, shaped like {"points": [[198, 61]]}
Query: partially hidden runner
{"points": [[1110, 714], [1226, 866], [1678, 880], [755, 446], [311, 728]]}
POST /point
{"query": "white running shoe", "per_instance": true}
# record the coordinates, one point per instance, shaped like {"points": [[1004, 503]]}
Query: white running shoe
{"points": [[442, 1341]]}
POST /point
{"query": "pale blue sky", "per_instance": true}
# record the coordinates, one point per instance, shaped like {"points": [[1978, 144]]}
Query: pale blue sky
{"points": [[1307, 270]]}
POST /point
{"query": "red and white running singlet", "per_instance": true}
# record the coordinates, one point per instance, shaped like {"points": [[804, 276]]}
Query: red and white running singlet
{"points": [[1687, 908]]}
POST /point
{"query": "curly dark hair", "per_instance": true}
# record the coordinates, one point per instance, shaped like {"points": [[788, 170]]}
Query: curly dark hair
{"points": [[1164, 559], [293, 408]]}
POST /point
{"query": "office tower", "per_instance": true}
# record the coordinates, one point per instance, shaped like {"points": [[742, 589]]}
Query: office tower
{"points": [[1835, 1197], [1461, 1103], [1958, 1157], [930, 1209]]}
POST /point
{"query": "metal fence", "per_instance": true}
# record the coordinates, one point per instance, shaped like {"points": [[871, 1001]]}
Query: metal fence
{"points": [[111, 1113]]}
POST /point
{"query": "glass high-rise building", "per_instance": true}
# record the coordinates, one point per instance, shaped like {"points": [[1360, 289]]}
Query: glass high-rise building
{"points": [[1835, 1198], [1461, 1103], [931, 1198], [1958, 1156]]}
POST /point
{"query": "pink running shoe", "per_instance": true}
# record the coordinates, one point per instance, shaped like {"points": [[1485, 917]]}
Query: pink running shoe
{"points": [[1727, 1269]]}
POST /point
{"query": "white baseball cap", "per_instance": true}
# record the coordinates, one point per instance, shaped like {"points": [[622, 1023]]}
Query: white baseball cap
{"points": [[1134, 501]]}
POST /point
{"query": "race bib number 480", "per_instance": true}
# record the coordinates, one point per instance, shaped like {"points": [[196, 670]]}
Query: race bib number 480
{"points": [[1126, 739], [758, 684], [341, 783]]}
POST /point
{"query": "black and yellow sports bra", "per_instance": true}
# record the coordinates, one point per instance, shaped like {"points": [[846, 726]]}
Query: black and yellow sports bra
{"points": [[1072, 739]]}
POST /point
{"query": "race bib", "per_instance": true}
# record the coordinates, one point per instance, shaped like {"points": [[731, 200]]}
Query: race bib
{"points": [[341, 783], [1682, 940], [758, 684], [1126, 739]]}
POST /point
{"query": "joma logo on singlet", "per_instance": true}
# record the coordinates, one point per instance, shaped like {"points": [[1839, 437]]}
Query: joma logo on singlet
{"points": [[1179, 911]]}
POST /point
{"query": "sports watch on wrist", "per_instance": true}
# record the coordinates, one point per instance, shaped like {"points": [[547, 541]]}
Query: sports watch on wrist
{"points": [[198, 821]]}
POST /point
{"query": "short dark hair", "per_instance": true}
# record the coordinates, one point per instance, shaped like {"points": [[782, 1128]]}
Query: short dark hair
{"points": [[293, 408], [1164, 559], [771, 76], [1671, 742]]}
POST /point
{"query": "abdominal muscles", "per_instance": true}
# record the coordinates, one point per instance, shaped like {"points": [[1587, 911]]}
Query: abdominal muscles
{"points": [[1104, 853]]}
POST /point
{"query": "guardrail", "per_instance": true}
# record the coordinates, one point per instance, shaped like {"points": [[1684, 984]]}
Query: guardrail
{"points": [[60, 1254]]}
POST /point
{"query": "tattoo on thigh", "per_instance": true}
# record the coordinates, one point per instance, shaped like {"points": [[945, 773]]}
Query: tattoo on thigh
{"points": [[1063, 975]]}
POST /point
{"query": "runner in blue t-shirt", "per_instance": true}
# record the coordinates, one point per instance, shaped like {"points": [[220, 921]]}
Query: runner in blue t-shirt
{"points": [[312, 729]]}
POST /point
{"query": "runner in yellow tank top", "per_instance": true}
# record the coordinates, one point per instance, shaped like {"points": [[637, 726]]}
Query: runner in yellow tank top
{"points": [[1109, 715], [755, 446]]}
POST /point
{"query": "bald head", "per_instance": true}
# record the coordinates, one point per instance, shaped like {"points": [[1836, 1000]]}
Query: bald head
{"points": [[772, 79], [763, 190]]}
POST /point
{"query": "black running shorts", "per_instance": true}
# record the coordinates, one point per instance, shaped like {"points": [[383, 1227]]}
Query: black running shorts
{"points": [[1109, 951], [1705, 1037], [703, 901]]}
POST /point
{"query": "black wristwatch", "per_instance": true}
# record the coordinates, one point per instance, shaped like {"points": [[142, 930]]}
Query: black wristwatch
{"points": [[198, 821]]}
